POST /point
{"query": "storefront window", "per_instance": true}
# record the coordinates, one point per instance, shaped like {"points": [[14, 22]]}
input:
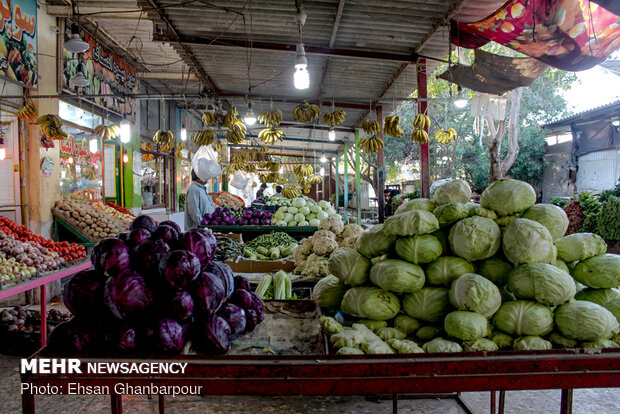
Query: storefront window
{"points": [[157, 187]]}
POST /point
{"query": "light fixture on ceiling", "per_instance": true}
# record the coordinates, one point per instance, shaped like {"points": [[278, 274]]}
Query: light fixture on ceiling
{"points": [[92, 144], [75, 44], [79, 79], [250, 118], [460, 101], [301, 78], [331, 134], [323, 158], [125, 131], [183, 134]]}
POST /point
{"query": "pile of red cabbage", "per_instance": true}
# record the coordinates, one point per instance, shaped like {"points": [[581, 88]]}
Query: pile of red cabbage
{"points": [[246, 216], [155, 291]]}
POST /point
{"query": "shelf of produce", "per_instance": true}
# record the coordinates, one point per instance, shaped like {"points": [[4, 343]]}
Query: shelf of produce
{"points": [[250, 232], [41, 282], [361, 374], [83, 240]]}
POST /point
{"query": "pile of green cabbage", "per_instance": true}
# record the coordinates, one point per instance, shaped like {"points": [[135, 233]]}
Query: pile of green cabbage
{"points": [[447, 275], [303, 212]]}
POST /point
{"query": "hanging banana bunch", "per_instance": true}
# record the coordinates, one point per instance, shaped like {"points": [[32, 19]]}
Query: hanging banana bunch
{"points": [[281, 181], [148, 157], [148, 146], [315, 179], [165, 140], [51, 126], [206, 137], [419, 135], [303, 170], [370, 127], [421, 121], [371, 144], [445, 137], [306, 112], [270, 119], [254, 185], [236, 133], [302, 181], [248, 168], [107, 132], [391, 126], [291, 192], [238, 159], [231, 117], [334, 118], [27, 111], [263, 150], [208, 118], [271, 135], [218, 147]]}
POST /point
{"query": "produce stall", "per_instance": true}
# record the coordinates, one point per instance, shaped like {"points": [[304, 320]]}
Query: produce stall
{"points": [[250, 232]]}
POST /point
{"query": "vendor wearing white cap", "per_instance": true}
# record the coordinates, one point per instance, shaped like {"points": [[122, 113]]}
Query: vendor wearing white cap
{"points": [[197, 201]]}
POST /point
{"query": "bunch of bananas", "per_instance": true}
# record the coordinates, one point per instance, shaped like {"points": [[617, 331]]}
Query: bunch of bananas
{"points": [[291, 192], [254, 184], [148, 157], [148, 146], [263, 150], [271, 119], [445, 137], [371, 144], [165, 140], [391, 126], [248, 168], [179, 151], [281, 181], [208, 118], [370, 127], [27, 111], [206, 137], [107, 132], [271, 135], [306, 112], [315, 179], [421, 121], [334, 118], [419, 136], [271, 166], [231, 117], [236, 132], [303, 170], [250, 156], [50, 126], [238, 159], [218, 147]]}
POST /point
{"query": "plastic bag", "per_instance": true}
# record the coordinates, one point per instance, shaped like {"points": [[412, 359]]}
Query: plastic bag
{"points": [[239, 181]]}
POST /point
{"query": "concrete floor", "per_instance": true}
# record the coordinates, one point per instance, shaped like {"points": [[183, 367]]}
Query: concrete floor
{"points": [[587, 401]]}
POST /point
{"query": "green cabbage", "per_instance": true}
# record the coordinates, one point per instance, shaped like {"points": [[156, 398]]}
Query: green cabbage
{"points": [[482, 344], [466, 326], [600, 296], [475, 238], [390, 333], [411, 223], [373, 325], [527, 343], [444, 270], [471, 208], [419, 249], [495, 269], [349, 338], [507, 295], [397, 275], [428, 304], [600, 343], [472, 292], [443, 239], [485, 212], [455, 191], [451, 212], [416, 204], [406, 323], [543, 282], [501, 339], [426, 333], [405, 346], [580, 246], [378, 347], [524, 317], [370, 303], [527, 241], [505, 220], [328, 292], [613, 306], [375, 242], [561, 264], [599, 271], [441, 345], [347, 350], [349, 266], [330, 325], [562, 341], [550, 216], [585, 321], [508, 196]]}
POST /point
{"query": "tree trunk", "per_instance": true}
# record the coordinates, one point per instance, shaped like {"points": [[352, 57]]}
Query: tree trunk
{"points": [[499, 167]]}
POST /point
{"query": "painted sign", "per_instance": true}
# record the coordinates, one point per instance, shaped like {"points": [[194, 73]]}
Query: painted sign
{"points": [[108, 74], [18, 41], [70, 147]]}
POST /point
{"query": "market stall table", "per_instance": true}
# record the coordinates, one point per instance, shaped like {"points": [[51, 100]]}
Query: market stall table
{"points": [[250, 232]]}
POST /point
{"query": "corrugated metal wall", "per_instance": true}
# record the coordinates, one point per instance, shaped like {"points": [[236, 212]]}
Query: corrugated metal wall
{"points": [[598, 170]]}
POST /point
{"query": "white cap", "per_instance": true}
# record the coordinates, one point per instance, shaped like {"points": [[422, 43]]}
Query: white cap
{"points": [[206, 169]]}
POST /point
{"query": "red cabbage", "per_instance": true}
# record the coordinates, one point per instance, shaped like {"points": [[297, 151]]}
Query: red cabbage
{"points": [[200, 242], [242, 283], [110, 256], [166, 233], [242, 298], [181, 305], [213, 335], [173, 225], [208, 292], [83, 293], [179, 268], [146, 257], [137, 236], [68, 338], [251, 320], [257, 305], [224, 272], [145, 222], [127, 295], [235, 317], [166, 336]]}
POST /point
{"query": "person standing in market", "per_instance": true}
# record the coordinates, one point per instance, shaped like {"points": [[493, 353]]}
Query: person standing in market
{"points": [[278, 192], [387, 197], [197, 201], [261, 191]]}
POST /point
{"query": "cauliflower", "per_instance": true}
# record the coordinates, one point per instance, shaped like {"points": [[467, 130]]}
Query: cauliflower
{"points": [[299, 255], [351, 230], [299, 266], [324, 233], [350, 242], [323, 245], [305, 247], [317, 266], [333, 224]]}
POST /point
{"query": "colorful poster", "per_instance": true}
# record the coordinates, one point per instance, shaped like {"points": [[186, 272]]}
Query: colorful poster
{"points": [[108, 74], [18, 41]]}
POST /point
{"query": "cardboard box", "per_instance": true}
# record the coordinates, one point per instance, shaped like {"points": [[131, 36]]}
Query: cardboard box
{"points": [[260, 266]]}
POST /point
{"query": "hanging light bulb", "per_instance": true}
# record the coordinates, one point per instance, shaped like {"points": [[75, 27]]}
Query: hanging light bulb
{"points": [[323, 158], [92, 144], [183, 134], [460, 101], [70, 160], [250, 118], [331, 135], [322, 171], [79, 79], [125, 158], [301, 78], [75, 44], [125, 131]]}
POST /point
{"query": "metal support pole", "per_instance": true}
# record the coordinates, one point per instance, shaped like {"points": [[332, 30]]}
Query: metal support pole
{"points": [[566, 403], [381, 169], [116, 403], [358, 177], [337, 181], [162, 404], [43, 305], [425, 171], [346, 182]]}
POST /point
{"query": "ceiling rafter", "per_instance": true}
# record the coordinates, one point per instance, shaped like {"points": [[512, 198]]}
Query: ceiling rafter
{"points": [[332, 41]]}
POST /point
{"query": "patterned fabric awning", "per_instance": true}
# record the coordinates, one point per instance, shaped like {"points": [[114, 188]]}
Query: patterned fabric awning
{"points": [[570, 35]]}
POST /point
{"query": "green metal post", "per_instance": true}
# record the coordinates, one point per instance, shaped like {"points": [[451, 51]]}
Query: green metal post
{"points": [[346, 182], [358, 177], [337, 179]]}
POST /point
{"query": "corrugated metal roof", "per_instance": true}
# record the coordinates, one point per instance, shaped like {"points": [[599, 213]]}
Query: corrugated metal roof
{"points": [[610, 109]]}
